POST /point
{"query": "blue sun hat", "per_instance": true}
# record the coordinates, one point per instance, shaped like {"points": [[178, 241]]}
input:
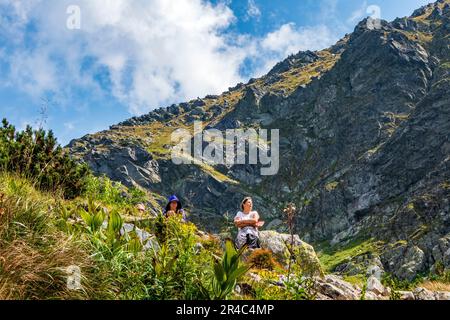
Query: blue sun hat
{"points": [[180, 210]]}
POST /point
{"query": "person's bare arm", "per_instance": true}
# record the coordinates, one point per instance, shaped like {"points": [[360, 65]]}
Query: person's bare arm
{"points": [[245, 223], [259, 222], [237, 222]]}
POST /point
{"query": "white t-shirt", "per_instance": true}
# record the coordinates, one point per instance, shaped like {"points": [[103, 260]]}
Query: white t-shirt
{"points": [[250, 216]]}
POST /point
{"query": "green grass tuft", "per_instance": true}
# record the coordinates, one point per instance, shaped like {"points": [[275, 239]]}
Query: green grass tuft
{"points": [[331, 257]]}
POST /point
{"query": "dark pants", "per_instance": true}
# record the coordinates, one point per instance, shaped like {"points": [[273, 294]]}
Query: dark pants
{"points": [[251, 241]]}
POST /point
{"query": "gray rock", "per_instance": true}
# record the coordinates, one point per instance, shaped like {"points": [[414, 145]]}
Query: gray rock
{"points": [[148, 240], [442, 295], [374, 285], [405, 262], [439, 251], [423, 294], [337, 289], [446, 259], [375, 271], [151, 244], [412, 264], [373, 296], [305, 255], [406, 295]]}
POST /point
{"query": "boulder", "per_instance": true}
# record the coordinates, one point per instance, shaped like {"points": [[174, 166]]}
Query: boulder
{"points": [[442, 295], [369, 295], [375, 271], [406, 295], [374, 285], [404, 261], [335, 288], [441, 251], [368, 263], [413, 263], [423, 294], [446, 259], [305, 255], [148, 240]]}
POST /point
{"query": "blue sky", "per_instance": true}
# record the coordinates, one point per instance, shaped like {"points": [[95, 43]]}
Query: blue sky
{"points": [[127, 57]]}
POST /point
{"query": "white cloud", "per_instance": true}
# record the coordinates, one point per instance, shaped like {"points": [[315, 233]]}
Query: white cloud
{"points": [[155, 52], [358, 14], [253, 10], [289, 39], [35, 72]]}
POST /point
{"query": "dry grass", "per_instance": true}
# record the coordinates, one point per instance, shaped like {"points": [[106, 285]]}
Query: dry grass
{"points": [[436, 286], [421, 37], [263, 259], [295, 77], [34, 255], [39, 271]]}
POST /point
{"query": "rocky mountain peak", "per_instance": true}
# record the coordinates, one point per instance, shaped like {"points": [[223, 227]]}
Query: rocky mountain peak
{"points": [[296, 60]]}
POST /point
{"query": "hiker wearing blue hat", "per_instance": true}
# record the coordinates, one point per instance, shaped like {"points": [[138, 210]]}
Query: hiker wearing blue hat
{"points": [[174, 207]]}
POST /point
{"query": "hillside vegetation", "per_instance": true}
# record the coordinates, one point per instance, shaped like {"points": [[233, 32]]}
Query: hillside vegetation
{"points": [[57, 246], [98, 246]]}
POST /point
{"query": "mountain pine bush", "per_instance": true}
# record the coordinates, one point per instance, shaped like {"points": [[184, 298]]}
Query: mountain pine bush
{"points": [[35, 154]]}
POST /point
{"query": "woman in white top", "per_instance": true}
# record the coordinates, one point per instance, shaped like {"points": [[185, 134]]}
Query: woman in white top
{"points": [[248, 222]]}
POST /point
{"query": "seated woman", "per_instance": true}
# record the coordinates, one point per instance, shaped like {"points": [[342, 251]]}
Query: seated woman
{"points": [[248, 222], [141, 208], [174, 207]]}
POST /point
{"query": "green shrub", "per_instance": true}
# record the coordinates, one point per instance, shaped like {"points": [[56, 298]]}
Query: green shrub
{"points": [[35, 154], [274, 286], [93, 217], [113, 193], [440, 274], [300, 288], [396, 284], [160, 228], [171, 270]]}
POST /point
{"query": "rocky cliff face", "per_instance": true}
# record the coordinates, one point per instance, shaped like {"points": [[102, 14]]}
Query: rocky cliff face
{"points": [[365, 144]]}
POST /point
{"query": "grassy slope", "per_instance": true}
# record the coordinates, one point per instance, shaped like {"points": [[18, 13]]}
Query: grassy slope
{"points": [[34, 253], [42, 235]]}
